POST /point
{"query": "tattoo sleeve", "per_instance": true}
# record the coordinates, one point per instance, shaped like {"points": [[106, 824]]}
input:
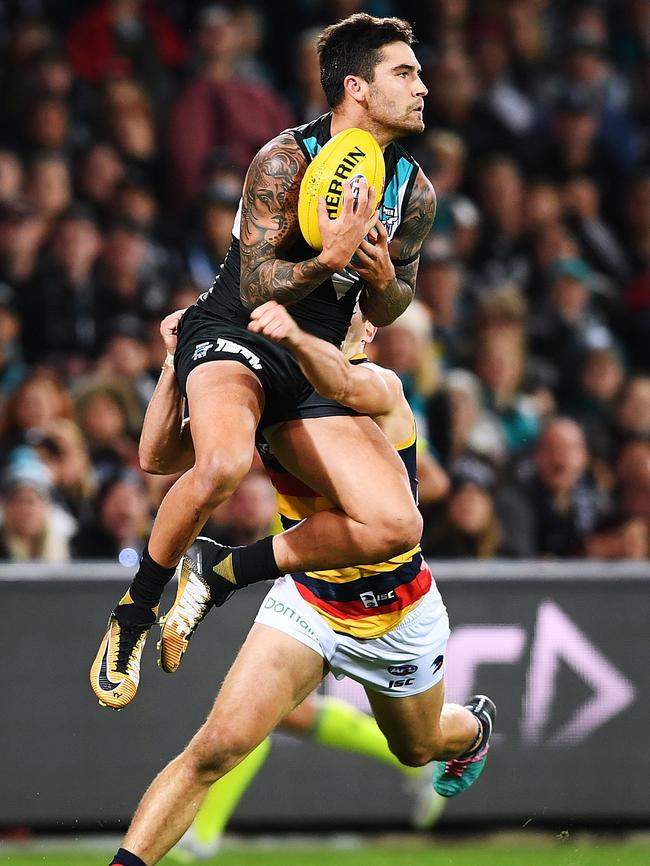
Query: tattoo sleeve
{"points": [[269, 224], [384, 307]]}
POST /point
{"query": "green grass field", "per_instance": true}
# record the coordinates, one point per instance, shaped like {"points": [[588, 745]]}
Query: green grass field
{"points": [[491, 853]]}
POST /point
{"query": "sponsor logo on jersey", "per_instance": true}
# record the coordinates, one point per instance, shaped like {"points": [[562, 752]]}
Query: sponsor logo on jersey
{"points": [[402, 670], [283, 609], [230, 348], [437, 664], [201, 350], [371, 599]]}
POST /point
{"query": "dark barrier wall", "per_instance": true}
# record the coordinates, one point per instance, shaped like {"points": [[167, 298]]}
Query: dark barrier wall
{"points": [[563, 650]]}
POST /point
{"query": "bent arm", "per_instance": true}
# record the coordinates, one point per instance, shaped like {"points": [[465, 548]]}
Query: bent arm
{"points": [[269, 224], [363, 387], [166, 443], [383, 304]]}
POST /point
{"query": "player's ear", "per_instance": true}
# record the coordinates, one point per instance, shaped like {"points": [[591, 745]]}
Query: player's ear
{"points": [[355, 87], [370, 332]]}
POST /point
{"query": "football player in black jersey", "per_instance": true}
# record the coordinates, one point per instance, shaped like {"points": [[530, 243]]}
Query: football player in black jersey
{"points": [[235, 380]]}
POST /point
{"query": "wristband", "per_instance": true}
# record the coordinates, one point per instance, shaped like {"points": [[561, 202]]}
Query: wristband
{"points": [[169, 360]]}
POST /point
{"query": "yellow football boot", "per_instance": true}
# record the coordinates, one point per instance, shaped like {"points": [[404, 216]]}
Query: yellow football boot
{"points": [[115, 673]]}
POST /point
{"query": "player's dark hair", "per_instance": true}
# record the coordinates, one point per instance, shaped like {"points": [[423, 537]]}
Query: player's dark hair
{"points": [[353, 47]]}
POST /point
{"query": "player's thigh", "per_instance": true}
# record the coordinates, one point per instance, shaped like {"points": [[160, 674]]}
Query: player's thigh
{"points": [[409, 722], [225, 402], [271, 675], [347, 459]]}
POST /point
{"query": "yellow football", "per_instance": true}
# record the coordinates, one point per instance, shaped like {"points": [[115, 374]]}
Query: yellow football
{"points": [[349, 154]]}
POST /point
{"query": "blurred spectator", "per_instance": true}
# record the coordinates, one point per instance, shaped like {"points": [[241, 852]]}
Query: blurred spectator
{"points": [[62, 449], [624, 532], [439, 288], [500, 97], [126, 358], [636, 297], [500, 254], [248, 515], [36, 403], [632, 409], [557, 505], [473, 427], [406, 347], [122, 520], [28, 526], [22, 232], [47, 123], [581, 201], [457, 217], [125, 36], [63, 313], [103, 416], [133, 273], [500, 367], [601, 377], [129, 123], [567, 325], [470, 527], [99, 173], [11, 175], [49, 184], [136, 201], [207, 249], [12, 367], [219, 108], [574, 147], [308, 98]]}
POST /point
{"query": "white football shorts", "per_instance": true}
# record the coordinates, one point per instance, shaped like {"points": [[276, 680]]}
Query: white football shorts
{"points": [[407, 660]]}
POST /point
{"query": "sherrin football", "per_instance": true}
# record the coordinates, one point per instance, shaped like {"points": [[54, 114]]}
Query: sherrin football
{"points": [[351, 153]]}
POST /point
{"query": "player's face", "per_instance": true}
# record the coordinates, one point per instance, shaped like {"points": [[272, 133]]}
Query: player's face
{"points": [[395, 96]]}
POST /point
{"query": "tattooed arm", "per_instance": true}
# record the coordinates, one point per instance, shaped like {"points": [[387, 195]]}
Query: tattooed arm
{"points": [[269, 224], [390, 276]]}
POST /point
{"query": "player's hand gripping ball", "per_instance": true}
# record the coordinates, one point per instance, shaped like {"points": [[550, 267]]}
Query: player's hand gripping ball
{"points": [[351, 153]]}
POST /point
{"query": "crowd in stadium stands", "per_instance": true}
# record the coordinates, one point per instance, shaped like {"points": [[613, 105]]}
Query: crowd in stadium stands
{"points": [[125, 133]]}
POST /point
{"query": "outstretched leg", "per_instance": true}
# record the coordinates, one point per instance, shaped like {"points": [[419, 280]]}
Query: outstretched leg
{"points": [[271, 675]]}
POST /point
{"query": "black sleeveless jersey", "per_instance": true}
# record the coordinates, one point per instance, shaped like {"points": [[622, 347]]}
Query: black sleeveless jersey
{"points": [[327, 310]]}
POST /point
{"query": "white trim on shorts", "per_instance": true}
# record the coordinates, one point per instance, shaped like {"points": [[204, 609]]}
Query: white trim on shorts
{"points": [[407, 660]]}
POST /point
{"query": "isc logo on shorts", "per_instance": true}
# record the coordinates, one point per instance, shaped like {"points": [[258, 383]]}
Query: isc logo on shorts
{"points": [[227, 346]]}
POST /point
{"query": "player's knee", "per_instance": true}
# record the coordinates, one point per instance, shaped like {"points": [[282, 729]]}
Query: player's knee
{"points": [[210, 758], [217, 477], [400, 531]]}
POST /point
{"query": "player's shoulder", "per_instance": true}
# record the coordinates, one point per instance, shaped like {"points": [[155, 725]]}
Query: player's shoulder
{"points": [[283, 146], [390, 377]]}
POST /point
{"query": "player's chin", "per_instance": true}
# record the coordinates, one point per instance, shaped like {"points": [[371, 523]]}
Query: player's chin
{"points": [[412, 123]]}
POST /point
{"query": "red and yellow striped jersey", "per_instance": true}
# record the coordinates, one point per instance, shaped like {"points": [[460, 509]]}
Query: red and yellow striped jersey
{"points": [[364, 601]]}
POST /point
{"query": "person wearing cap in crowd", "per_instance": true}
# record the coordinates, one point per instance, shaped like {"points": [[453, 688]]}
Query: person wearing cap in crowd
{"points": [[30, 528], [567, 324]]}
